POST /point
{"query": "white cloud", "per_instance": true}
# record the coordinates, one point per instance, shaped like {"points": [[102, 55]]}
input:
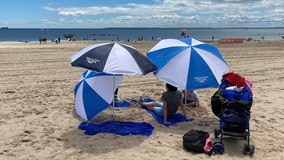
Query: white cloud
{"points": [[178, 13], [50, 8]]}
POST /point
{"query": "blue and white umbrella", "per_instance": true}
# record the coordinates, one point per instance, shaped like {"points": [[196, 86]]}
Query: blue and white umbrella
{"points": [[113, 58], [94, 93], [188, 63]]}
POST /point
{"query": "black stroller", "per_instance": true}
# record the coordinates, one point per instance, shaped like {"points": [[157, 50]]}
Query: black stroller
{"points": [[233, 108]]}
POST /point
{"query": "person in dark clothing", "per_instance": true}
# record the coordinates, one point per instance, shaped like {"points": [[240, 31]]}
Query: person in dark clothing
{"points": [[171, 100]]}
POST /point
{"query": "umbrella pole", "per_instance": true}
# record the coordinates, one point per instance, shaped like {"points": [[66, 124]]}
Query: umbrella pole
{"points": [[113, 100]]}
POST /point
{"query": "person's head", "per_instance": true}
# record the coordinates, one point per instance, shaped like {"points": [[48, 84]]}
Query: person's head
{"points": [[171, 88]]}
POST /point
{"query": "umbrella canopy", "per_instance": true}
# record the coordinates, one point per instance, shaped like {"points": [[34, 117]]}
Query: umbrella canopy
{"points": [[113, 58], [188, 63], [94, 93]]}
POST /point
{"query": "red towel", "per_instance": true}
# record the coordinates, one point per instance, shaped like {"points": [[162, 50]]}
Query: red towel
{"points": [[235, 79]]}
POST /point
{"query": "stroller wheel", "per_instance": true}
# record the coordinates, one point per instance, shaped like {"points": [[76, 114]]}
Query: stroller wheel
{"points": [[218, 148], [251, 151], [216, 133], [246, 149]]}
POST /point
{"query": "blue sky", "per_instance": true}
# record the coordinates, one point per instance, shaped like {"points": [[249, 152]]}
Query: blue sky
{"points": [[141, 13]]}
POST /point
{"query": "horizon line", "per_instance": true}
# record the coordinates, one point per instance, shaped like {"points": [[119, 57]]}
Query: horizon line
{"points": [[4, 28]]}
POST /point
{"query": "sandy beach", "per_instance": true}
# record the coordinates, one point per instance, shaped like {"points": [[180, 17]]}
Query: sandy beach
{"points": [[38, 119]]}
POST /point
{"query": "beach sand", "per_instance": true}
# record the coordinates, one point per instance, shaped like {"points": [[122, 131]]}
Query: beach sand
{"points": [[38, 118]]}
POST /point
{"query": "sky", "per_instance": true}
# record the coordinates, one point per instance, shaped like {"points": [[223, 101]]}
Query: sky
{"points": [[141, 13]]}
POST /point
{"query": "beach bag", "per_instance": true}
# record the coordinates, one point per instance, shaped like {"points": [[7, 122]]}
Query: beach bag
{"points": [[194, 140], [218, 103]]}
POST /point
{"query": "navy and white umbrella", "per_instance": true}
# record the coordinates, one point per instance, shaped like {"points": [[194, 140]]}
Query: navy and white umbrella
{"points": [[188, 63], [94, 93], [113, 58]]}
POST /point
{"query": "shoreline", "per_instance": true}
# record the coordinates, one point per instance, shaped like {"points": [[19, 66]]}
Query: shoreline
{"points": [[121, 41], [140, 33]]}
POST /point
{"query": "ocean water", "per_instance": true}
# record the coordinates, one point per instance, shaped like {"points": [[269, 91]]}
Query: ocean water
{"points": [[13, 34]]}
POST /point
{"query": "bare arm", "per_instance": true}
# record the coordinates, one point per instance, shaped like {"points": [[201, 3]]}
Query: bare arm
{"points": [[183, 108], [165, 112]]}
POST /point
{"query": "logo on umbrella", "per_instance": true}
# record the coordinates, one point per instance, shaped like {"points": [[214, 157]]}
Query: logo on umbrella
{"points": [[91, 60], [201, 79]]}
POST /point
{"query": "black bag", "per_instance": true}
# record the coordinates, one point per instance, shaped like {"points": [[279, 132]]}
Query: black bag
{"points": [[194, 140], [218, 103]]}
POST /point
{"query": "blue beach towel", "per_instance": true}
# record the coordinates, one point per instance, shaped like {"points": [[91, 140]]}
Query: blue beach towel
{"points": [[177, 118], [123, 103], [117, 127]]}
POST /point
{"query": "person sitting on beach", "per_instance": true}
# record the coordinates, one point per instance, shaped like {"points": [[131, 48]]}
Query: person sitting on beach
{"points": [[171, 101], [192, 99]]}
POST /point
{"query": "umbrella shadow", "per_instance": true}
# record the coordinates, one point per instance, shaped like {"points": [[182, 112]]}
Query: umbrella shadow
{"points": [[99, 143]]}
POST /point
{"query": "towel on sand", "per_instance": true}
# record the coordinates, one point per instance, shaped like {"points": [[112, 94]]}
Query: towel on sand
{"points": [[123, 103], [117, 127], [177, 118], [126, 103]]}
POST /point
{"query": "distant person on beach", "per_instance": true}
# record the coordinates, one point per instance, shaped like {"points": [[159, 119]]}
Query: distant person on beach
{"points": [[183, 33], [167, 108], [42, 40], [192, 99], [56, 40]]}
